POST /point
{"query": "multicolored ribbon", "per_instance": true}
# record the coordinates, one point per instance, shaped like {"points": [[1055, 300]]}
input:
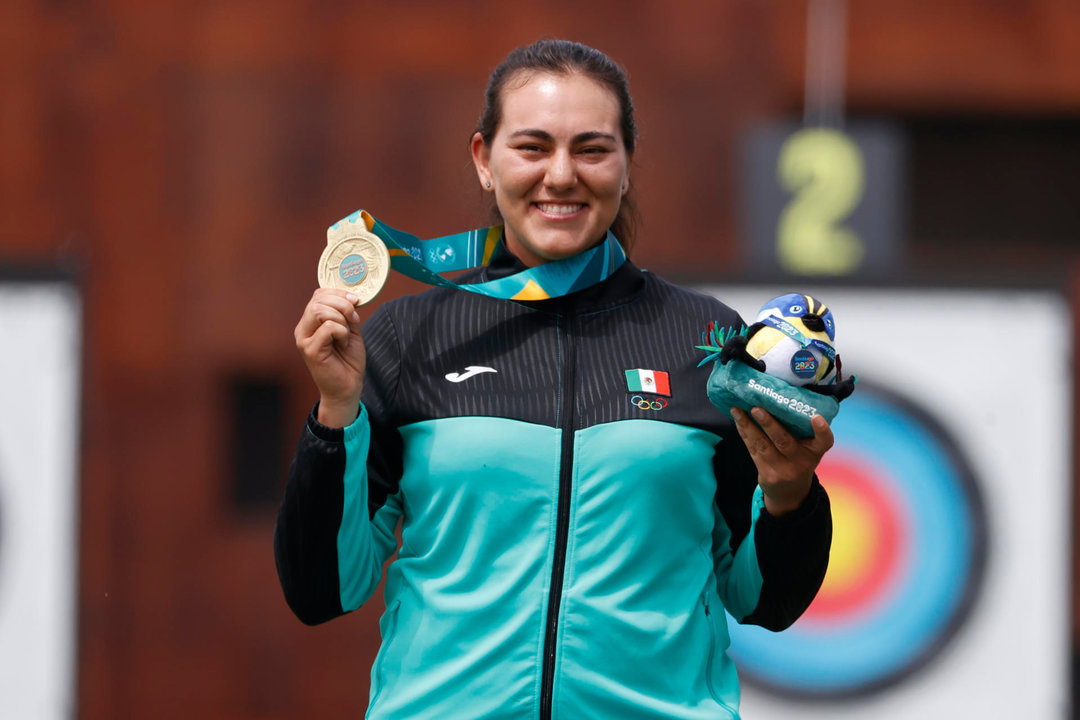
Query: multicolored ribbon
{"points": [[423, 260]]}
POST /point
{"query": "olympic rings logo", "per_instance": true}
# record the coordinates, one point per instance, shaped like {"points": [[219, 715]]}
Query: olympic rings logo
{"points": [[643, 404]]}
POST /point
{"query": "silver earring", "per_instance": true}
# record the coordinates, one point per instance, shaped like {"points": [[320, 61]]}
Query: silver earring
{"points": [[488, 184]]}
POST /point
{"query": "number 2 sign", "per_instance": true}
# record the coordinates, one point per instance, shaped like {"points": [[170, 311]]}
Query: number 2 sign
{"points": [[822, 201]]}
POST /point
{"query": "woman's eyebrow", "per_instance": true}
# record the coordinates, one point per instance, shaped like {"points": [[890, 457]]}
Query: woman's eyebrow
{"points": [[593, 135], [533, 132], [547, 137]]}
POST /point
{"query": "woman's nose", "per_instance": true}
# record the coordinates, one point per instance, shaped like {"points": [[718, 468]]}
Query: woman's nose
{"points": [[560, 171]]}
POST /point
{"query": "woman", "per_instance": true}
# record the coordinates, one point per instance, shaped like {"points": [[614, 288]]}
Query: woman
{"points": [[575, 515]]}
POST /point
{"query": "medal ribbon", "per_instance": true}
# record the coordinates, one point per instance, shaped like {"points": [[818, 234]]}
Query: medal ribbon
{"points": [[424, 260], [793, 332]]}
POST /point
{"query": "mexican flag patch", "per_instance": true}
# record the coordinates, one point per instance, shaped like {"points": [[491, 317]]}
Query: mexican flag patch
{"points": [[650, 381]]}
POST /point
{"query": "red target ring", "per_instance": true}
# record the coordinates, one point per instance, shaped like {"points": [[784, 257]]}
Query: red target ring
{"points": [[869, 537]]}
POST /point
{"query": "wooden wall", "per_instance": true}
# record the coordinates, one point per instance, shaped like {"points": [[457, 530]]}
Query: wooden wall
{"points": [[187, 156]]}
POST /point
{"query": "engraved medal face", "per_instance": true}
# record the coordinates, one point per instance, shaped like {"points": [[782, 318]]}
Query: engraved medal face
{"points": [[354, 260]]}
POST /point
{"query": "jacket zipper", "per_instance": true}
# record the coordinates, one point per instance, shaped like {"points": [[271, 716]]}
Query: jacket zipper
{"points": [[562, 526]]}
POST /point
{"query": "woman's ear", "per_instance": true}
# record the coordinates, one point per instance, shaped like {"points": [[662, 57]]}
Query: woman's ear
{"points": [[481, 157]]}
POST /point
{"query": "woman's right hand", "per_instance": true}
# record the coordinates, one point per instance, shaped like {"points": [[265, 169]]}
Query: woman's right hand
{"points": [[328, 338]]}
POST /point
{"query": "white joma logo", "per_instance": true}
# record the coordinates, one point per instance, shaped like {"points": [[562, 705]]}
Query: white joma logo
{"points": [[469, 372]]}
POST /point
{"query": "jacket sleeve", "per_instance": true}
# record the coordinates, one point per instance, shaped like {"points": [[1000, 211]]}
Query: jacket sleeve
{"points": [[768, 568], [337, 520]]}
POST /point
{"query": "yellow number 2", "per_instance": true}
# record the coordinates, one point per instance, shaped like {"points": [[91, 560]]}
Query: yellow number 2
{"points": [[825, 171]]}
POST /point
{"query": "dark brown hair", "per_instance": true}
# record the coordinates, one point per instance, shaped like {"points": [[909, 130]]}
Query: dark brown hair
{"points": [[565, 57]]}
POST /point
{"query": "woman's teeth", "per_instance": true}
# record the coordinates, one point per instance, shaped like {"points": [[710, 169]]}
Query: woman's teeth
{"points": [[559, 209]]}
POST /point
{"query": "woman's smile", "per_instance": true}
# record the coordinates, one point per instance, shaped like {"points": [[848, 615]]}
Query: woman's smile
{"points": [[559, 210]]}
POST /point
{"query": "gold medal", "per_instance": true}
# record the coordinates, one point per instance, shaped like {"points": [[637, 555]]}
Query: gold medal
{"points": [[355, 260]]}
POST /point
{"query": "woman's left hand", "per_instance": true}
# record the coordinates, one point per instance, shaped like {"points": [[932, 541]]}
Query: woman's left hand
{"points": [[784, 463]]}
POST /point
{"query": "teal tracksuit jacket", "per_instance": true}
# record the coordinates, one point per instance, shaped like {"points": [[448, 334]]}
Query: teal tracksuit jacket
{"points": [[569, 547]]}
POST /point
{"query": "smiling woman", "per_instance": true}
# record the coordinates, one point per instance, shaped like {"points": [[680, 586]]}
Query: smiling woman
{"points": [[554, 61], [575, 517], [557, 164]]}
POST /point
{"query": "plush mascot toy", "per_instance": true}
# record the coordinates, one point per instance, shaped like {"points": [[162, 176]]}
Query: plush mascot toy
{"points": [[786, 363]]}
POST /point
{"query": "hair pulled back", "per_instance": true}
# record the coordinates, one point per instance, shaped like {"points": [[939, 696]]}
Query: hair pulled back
{"points": [[565, 57]]}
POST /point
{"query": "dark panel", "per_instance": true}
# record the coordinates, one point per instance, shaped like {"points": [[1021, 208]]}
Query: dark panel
{"points": [[255, 442]]}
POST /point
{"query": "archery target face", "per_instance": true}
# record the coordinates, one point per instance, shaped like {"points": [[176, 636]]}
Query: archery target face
{"points": [[949, 571], [907, 556]]}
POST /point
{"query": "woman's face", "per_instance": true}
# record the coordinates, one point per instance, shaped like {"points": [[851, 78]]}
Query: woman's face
{"points": [[557, 164]]}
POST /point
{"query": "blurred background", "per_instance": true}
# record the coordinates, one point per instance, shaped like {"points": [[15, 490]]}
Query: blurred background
{"points": [[172, 167]]}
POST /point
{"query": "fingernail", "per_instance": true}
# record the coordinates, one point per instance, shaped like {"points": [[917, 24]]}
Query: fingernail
{"points": [[355, 316], [351, 298], [758, 413]]}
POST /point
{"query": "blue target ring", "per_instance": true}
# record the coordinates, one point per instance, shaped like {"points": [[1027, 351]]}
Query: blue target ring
{"points": [[928, 594]]}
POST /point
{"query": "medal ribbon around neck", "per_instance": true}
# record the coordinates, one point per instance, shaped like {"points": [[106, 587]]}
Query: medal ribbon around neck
{"points": [[424, 260]]}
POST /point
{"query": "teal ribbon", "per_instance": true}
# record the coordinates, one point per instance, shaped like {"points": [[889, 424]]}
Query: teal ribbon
{"points": [[424, 260]]}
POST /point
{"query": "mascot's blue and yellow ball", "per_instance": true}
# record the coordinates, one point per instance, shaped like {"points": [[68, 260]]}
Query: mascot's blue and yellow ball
{"points": [[794, 335]]}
